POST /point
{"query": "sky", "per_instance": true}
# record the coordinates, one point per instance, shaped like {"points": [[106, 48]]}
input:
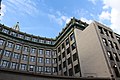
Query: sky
{"points": [[46, 18]]}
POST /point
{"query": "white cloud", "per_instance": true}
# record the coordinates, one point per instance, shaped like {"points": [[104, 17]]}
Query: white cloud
{"points": [[3, 10], [22, 6], [93, 1], [114, 7], [105, 15], [85, 20]]}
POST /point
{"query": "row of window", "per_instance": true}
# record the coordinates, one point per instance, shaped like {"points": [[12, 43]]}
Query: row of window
{"points": [[14, 65], [26, 58], [110, 43], [27, 37], [105, 32]]}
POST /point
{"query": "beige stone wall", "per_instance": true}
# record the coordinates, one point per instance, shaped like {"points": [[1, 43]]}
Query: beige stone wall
{"points": [[91, 56]]}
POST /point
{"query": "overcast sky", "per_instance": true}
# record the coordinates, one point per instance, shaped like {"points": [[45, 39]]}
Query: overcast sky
{"points": [[46, 18]]}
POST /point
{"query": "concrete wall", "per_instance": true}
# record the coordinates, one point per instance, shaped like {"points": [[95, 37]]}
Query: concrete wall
{"points": [[91, 56]]}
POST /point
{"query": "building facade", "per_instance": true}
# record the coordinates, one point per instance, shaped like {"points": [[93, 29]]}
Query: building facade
{"points": [[80, 51]]}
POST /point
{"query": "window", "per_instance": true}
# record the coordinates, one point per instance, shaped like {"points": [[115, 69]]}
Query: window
{"points": [[110, 55], [105, 42], [9, 44], [65, 73], [34, 39], [48, 53], [72, 37], [13, 34], [20, 36], [27, 38], [32, 58], [0, 51], [115, 44], [68, 50], [75, 57], [64, 64], [70, 72], [47, 69], [4, 63], [40, 51], [54, 60], [47, 60], [116, 70], [13, 65], [17, 47], [7, 53], [5, 31], [63, 54], [23, 66], [69, 60], [77, 68], [67, 41], [100, 29], [1, 42], [33, 50], [58, 49], [111, 34], [48, 42], [31, 68], [39, 69], [54, 53], [54, 69], [63, 46], [60, 67], [40, 60], [106, 32], [115, 56], [26, 49], [41, 41], [59, 57], [73, 46], [110, 43], [24, 57], [16, 55]]}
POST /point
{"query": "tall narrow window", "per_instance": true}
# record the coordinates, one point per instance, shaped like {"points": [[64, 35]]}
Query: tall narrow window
{"points": [[24, 57], [14, 65], [26, 49], [75, 57], [105, 42], [110, 55], [33, 50], [47, 69], [39, 69], [47, 60], [73, 46], [40, 51], [32, 59], [68, 50], [72, 37], [16, 55], [110, 43], [48, 53], [77, 68], [67, 41], [7, 53], [1, 42], [17, 47], [4, 63], [23, 67], [40, 60], [31, 68], [9, 44]]}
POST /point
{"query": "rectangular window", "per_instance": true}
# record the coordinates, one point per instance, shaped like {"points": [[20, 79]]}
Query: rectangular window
{"points": [[39, 69], [68, 50], [111, 34], [5, 31], [24, 57], [1, 42], [60, 67], [65, 73], [75, 57], [23, 67], [70, 72], [109, 55], [26, 49], [63, 54], [40, 60], [72, 37], [63, 46], [9, 44], [4, 63], [48, 53], [40, 51], [18, 47], [105, 42], [48, 42], [115, 44], [47, 60], [32, 58], [110, 43], [59, 57], [106, 32], [20, 36], [54, 53], [34, 39], [33, 50], [69, 60], [58, 49], [41, 41], [31, 68], [0, 51], [67, 41], [64, 64], [27, 38], [16, 55], [54, 60], [100, 29], [54, 69], [73, 46], [13, 65], [77, 68], [13, 34], [7, 53], [47, 69], [116, 57]]}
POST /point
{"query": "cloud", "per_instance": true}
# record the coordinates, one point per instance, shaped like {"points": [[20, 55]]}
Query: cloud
{"points": [[93, 1], [3, 10], [22, 6], [113, 7], [105, 15], [85, 20]]}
